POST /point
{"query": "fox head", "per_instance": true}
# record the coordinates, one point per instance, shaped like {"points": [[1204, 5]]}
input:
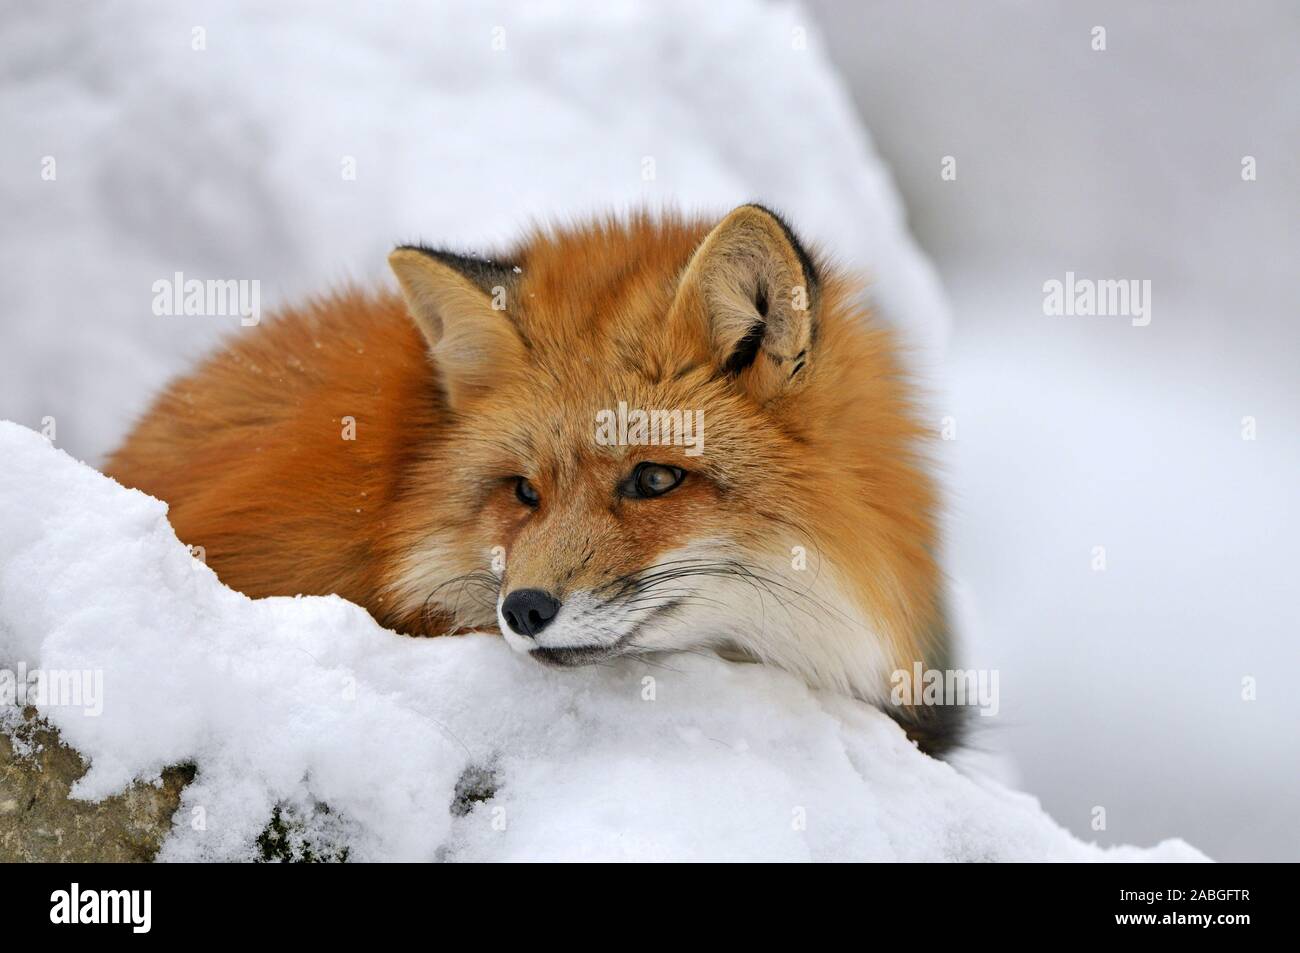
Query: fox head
{"points": [[668, 435]]}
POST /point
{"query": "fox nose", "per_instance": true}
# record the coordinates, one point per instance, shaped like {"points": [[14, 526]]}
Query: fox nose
{"points": [[528, 611]]}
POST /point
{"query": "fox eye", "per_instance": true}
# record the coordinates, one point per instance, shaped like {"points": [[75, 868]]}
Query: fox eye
{"points": [[526, 492], [652, 479]]}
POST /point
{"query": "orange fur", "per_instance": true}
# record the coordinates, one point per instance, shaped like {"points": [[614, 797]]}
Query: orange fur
{"points": [[248, 449]]}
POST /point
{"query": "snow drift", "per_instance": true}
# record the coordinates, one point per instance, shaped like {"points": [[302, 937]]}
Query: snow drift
{"points": [[389, 747]]}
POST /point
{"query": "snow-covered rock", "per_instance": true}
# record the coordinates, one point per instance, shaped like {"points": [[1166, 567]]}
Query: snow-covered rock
{"points": [[449, 748]]}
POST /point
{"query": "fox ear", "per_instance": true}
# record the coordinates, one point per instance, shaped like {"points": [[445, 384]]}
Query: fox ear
{"points": [[752, 290], [458, 303]]}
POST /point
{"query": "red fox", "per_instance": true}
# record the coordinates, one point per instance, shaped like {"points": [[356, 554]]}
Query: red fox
{"points": [[642, 434]]}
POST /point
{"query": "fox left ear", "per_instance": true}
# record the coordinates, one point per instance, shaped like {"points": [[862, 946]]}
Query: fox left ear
{"points": [[453, 300], [752, 290]]}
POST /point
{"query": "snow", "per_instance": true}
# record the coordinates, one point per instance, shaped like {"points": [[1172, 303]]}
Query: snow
{"points": [[307, 701]]}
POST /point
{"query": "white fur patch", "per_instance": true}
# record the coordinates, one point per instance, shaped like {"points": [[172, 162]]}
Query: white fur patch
{"points": [[798, 620], [755, 602], [423, 578]]}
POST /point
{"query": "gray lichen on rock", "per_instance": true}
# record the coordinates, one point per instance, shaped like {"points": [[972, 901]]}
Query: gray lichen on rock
{"points": [[477, 784], [40, 822]]}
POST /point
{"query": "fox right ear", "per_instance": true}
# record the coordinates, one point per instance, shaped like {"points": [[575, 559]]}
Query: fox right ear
{"points": [[458, 303], [751, 292]]}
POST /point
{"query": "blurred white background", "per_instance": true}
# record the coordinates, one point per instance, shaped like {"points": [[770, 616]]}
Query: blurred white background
{"points": [[1123, 688]]}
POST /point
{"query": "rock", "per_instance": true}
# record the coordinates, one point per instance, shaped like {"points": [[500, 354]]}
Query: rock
{"points": [[39, 822]]}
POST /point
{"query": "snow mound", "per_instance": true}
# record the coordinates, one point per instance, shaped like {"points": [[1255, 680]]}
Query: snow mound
{"points": [[452, 748]]}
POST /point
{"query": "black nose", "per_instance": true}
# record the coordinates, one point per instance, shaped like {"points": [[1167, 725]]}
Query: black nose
{"points": [[528, 611]]}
